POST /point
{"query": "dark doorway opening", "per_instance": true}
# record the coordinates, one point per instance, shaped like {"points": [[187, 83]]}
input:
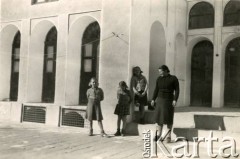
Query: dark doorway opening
{"points": [[202, 74], [232, 73], [49, 66]]}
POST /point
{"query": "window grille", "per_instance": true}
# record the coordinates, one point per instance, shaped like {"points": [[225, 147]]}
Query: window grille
{"points": [[36, 114], [74, 117]]}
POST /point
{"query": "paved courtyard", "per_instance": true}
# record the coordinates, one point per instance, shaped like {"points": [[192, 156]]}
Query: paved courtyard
{"points": [[36, 141], [27, 141]]}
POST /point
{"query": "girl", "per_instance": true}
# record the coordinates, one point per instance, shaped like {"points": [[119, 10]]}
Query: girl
{"points": [[139, 86], [123, 107], [94, 112]]}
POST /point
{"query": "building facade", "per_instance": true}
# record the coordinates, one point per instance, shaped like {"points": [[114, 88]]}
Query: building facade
{"points": [[51, 48]]}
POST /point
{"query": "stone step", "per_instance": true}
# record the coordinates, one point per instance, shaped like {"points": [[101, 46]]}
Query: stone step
{"points": [[189, 133], [207, 119]]}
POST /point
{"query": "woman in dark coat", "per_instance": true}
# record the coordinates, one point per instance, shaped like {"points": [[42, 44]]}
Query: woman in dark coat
{"points": [[166, 95]]}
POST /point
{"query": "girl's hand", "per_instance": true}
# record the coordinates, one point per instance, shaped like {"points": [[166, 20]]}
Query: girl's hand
{"points": [[137, 93], [143, 94], [152, 103]]}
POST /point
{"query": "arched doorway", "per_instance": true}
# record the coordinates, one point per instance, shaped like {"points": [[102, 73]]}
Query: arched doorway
{"points": [[49, 66], [15, 67], [157, 53], [202, 74], [232, 73], [89, 58]]}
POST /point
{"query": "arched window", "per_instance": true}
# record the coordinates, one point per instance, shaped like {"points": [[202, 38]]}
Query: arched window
{"points": [[89, 59], [49, 68], [232, 14], [201, 16], [15, 67]]}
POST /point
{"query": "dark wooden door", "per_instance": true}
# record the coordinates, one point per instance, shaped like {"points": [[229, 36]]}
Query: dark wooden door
{"points": [[49, 67], [89, 59], [15, 67], [202, 74], [232, 74]]}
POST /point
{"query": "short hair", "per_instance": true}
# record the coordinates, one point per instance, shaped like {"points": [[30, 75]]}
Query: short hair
{"points": [[164, 68], [135, 69], [123, 83], [93, 78]]}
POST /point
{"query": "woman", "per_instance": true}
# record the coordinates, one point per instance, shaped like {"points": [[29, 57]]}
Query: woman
{"points": [[139, 87], [166, 92]]}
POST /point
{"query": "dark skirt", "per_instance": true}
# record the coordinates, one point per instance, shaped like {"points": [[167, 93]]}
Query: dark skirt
{"points": [[122, 109], [94, 111], [164, 111], [141, 100]]}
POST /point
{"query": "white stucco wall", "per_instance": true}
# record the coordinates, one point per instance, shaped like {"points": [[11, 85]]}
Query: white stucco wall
{"points": [[145, 33], [23, 8]]}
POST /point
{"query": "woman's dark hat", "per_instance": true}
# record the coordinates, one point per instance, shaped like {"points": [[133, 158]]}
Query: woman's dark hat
{"points": [[137, 68], [164, 68], [123, 83]]}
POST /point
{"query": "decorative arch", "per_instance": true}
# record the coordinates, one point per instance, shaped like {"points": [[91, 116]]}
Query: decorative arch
{"points": [[157, 52], [201, 15], [74, 58], [8, 34], [36, 60], [232, 14]]}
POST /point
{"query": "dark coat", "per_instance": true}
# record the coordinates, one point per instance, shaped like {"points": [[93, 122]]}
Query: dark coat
{"points": [[166, 90]]}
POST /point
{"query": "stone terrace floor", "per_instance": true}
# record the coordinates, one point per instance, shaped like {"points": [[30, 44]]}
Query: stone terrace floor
{"points": [[36, 141]]}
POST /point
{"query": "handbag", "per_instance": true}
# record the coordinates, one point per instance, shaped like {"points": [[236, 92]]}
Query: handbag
{"points": [[150, 107]]}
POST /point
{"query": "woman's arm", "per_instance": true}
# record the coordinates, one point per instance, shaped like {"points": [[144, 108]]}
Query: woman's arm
{"points": [[155, 93]]}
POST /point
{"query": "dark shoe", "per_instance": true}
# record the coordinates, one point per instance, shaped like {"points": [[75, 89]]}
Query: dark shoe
{"points": [[156, 138], [141, 121], [168, 139], [90, 132], [118, 133]]}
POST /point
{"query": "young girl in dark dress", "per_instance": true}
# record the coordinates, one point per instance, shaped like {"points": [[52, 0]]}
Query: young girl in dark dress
{"points": [[95, 95], [123, 107]]}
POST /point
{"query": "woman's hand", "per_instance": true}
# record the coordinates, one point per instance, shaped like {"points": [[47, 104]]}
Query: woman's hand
{"points": [[174, 103]]}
